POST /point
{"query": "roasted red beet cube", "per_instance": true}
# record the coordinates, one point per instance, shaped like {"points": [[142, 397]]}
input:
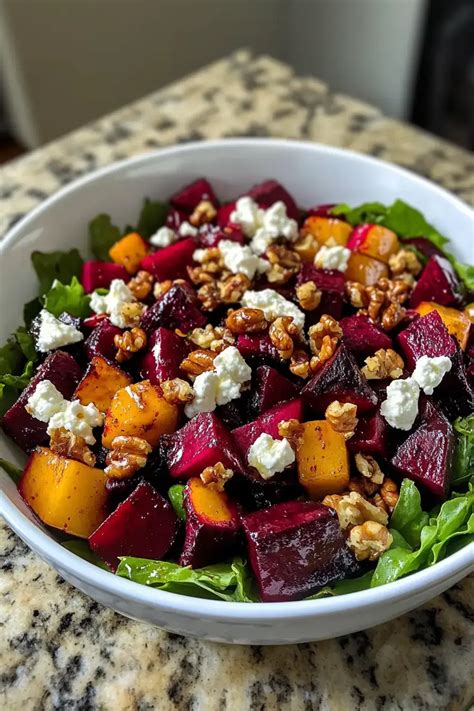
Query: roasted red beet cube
{"points": [[144, 526], [423, 245], [362, 337], [358, 236], [24, 429], [170, 262], [455, 394], [165, 352], [177, 308], [269, 192], [201, 443], [175, 218], [253, 345], [270, 388], [438, 282], [101, 340], [224, 213], [331, 284], [370, 436], [99, 275], [339, 379], [427, 335], [426, 455], [191, 195], [267, 423], [295, 548], [321, 210]]}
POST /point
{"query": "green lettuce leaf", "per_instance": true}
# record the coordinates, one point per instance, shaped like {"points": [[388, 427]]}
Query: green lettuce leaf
{"points": [[408, 518], [27, 344], [12, 470], [62, 266], [102, 236], [11, 357], [152, 217], [69, 298], [30, 310], [175, 495], [18, 381], [463, 462]]}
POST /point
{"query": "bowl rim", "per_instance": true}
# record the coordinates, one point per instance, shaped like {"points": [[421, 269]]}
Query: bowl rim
{"points": [[460, 562]]}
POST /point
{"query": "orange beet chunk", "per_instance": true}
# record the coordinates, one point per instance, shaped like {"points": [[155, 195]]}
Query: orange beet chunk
{"points": [[65, 494], [129, 252], [322, 459], [374, 241], [457, 323], [364, 269], [328, 230], [100, 383]]}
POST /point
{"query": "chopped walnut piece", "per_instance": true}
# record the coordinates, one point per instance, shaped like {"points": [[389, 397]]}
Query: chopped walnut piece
{"points": [[129, 343], [131, 313], [162, 287], [342, 417], [323, 339], [127, 456], [369, 540], [285, 263], [246, 320], [308, 295], [300, 364], [203, 212], [141, 285], [209, 296], [306, 245], [389, 493], [292, 430], [405, 260], [177, 391], [363, 486], [353, 509], [392, 316], [198, 361], [214, 337], [216, 476], [368, 467], [385, 363], [233, 287], [67, 444], [282, 334], [357, 294]]}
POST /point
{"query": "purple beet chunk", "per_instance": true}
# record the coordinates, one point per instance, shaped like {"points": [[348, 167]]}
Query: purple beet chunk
{"points": [[101, 340], [370, 436], [170, 262], [426, 455], [455, 394], [144, 525], [178, 308], [191, 195], [165, 353], [269, 192], [362, 337], [427, 335], [438, 282], [423, 245], [28, 432], [175, 218], [270, 388], [322, 210], [295, 548], [99, 275], [201, 443], [267, 423], [253, 345], [331, 284], [339, 379]]}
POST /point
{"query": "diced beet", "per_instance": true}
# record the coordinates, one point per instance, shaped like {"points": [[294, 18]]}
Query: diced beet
{"points": [[267, 423], [177, 308], [170, 262], [362, 337], [99, 275], [455, 393], [165, 353], [269, 192], [28, 432], [212, 525], [426, 455], [191, 195], [101, 340], [175, 218], [224, 213], [210, 236], [438, 282], [295, 548], [339, 379], [270, 388], [423, 245], [120, 489], [370, 436], [426, 336], [144, 525], [321, 210], [201, 443], [256, 346], [234, 413], [331, 284], [91, 322], [358, 236]]}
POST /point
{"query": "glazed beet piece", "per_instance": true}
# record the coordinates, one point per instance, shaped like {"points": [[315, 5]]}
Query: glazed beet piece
{"points": [[426, 336], [269, 192], [267, 423], [101, 340], [99, 275], [223, 214], [331, 284], [201, 443], [191, 195], [362, 337], [24, 429], [455, 393], [438, 282], [295, 548], [426, 455], [253, 345], [175, 218], [145, 525], [234, 413], [339, 379], [370, 436], [212, 525], [270, 387], [178, 308], [423, 245], [120, 489], [165, 352], [170, 262]]}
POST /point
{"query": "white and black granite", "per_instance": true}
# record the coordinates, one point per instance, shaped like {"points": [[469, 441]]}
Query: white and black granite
{"points": [[59, 649]]}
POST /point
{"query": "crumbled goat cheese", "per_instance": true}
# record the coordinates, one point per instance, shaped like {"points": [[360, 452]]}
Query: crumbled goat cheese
{"points": [[186, 229], [78, 419], [45, 402], [248, 215], [206, 386], [269, 455], [199, 255], [335, 257], [263, 226], [111, 304], [401, 406], [163, 237], [429, 372], [273, 305], [241, 260], [53, 333]]}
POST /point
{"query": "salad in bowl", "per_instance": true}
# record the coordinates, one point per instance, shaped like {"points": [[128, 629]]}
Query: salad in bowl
{"points": [[249, 401]]}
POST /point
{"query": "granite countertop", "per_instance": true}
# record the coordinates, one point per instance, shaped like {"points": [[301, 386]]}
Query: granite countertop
{"points": [[61, 650]]}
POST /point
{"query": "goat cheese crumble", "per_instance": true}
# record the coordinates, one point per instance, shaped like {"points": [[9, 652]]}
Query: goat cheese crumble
{"points": [[45, 401], [273, 305], [241, 260], [111, 304], [429, 372], [336, 257], [270, 456], [53, 333], [186, 229], [401, 406], [163, 237], [263, 226]]}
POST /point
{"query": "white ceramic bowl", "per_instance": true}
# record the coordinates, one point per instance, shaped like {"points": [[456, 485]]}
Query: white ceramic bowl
{"points": [[313, 174]]}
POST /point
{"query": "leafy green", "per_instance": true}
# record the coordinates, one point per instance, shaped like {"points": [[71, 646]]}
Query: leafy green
{"points": [[11, 385], [27, 343], [463, 462], [30, 310], [175, 495], [102, 236], [62, 266], [81, 548], [11, 357], [464, 271], [67, 297], [12, 470], [343, 587], [408, 518], [152, 217]]}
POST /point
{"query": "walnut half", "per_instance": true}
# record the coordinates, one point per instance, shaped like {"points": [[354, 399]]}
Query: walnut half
{"points": [[342, 417], [385, 363], [369, 540], [127, 456]]}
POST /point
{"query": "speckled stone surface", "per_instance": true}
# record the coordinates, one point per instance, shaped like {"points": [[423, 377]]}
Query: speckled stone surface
{"points": [[59, 649]]}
